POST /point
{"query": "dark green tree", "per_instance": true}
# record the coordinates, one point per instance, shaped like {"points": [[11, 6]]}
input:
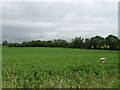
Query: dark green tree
{"points": [[50, 43], [87, 44], [5, 43], [16, 45], [111, 41], [77, 42], [24, 44], [97, 41]]}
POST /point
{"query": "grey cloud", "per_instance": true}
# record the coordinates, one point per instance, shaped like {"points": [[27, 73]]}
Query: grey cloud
{"points": [[45, 21]]}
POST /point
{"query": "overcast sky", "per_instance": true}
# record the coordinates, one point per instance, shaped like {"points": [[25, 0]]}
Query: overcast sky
{"points": [[26, 21]]}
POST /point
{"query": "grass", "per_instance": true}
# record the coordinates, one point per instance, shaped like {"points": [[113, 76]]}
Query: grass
{"points": [[38, 67], [0, 67]]}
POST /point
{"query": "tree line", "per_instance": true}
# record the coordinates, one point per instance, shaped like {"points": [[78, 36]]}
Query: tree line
{"points": [[110, 42]]}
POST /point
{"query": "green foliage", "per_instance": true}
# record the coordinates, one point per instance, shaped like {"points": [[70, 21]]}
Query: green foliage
{"points": [[5, 43], [77, 42], [110, 42], [59, 68], [87, 44], [97, 41]]}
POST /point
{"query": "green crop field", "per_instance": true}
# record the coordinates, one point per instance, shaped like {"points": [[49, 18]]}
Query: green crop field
{"points": [[40, 67]]}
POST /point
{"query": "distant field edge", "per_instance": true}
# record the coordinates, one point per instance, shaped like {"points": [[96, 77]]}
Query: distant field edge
{"points": [[64, 48]]}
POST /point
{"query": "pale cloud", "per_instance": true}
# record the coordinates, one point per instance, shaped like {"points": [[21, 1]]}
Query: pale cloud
{"points": [[47, 21]]}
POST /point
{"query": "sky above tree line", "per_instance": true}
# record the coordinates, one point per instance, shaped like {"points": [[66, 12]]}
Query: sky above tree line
{"points": [[26, 21]]}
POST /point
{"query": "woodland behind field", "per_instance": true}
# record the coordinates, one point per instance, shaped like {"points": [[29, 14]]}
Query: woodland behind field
{"points": [[110, 42]]}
